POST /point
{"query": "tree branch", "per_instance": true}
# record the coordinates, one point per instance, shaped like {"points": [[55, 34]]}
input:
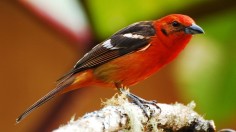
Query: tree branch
{"points": [[119, 114]]}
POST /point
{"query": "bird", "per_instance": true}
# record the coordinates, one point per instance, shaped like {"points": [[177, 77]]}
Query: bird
{"points": [[127, 57]]}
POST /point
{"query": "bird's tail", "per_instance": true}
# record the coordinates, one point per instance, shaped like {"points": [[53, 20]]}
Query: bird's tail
{"points": [[67, 83], [60, 87]]}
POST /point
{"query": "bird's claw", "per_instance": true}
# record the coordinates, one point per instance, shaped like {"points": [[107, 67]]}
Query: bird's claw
{"points": [[142, 103]]}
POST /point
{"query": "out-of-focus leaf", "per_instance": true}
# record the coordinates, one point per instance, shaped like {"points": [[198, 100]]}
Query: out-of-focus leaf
{"points": [[109, 16]]}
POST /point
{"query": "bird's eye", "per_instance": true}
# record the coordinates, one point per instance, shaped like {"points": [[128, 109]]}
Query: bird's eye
{"points": [[175, 24]]}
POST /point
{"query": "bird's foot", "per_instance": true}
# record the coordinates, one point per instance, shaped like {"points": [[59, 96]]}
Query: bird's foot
{"points": [[142, 103]]}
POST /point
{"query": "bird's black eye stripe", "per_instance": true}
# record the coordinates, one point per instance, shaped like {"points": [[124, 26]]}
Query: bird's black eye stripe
{"points": [[175, 24], [164, 32]]}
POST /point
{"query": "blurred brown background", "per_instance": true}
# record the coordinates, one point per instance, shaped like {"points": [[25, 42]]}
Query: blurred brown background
{"points": [[34, 54]]}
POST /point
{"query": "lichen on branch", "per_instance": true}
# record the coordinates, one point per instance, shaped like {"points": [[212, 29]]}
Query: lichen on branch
{"points": [[118, 114]]}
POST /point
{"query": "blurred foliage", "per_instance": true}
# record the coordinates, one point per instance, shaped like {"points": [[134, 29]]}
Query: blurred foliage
{"points": [[108, 16], [222, 31]]}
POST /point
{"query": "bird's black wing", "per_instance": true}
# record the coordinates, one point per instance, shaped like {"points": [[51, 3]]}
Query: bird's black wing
{"points": [[127, 40]]}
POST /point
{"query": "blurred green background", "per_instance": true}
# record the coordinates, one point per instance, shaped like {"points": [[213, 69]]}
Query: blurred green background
{"points": [[205, 72]]}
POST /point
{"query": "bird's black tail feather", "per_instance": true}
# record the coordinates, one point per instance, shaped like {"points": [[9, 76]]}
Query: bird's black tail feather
{"points": [[44, 99]]}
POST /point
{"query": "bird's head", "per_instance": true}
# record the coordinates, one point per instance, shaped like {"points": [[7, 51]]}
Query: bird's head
{"points": [[176, 27]]}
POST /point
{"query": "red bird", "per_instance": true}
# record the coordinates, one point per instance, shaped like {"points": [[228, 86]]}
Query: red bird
{"points": [[127, 57]]}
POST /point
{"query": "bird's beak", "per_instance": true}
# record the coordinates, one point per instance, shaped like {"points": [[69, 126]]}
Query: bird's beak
{"points": [[194, 29]]}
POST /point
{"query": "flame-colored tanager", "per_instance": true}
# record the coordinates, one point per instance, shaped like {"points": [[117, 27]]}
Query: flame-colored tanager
{"points": [[128, 56]]}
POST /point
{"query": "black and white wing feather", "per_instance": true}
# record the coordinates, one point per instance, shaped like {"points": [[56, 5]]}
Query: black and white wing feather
{"points": [[127, 40]]}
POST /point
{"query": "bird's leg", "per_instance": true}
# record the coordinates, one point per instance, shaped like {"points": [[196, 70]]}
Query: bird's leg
{"points": [[152, 102], [136, 100]]}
